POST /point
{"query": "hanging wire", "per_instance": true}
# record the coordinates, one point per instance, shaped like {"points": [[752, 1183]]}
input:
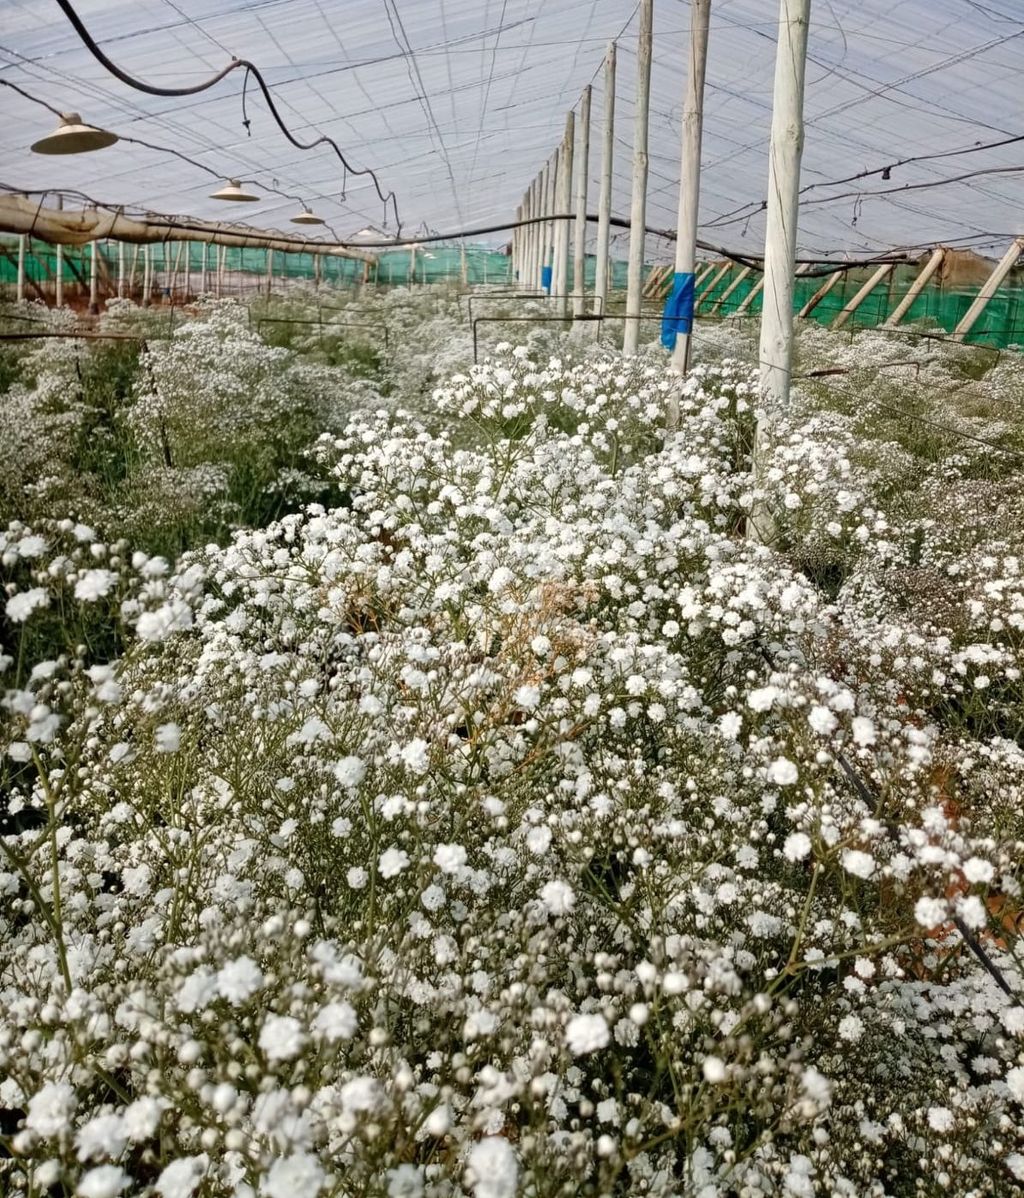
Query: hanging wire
{"points": [[250, 69]]}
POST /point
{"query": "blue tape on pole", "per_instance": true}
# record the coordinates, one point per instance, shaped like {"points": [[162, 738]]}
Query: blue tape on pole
{"points": [[678, 315], [545, 278]]}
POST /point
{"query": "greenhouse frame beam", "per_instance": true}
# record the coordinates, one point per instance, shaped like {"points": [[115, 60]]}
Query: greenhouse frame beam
{"points": [[820, 294], [992, 285], [70, 227], [719, 303], [903, 307], [852, 305]]}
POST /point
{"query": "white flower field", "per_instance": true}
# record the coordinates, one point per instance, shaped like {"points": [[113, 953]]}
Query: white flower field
{"points": [[418, 781]]}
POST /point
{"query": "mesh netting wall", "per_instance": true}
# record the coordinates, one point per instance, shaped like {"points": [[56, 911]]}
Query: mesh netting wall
{"points": [[1001, 324]]}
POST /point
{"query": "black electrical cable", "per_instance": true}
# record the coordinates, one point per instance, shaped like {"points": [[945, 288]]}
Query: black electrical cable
{"points": [[235, 64]]}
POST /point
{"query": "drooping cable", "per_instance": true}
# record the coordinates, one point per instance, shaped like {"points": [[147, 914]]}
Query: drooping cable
{"points": [[250, 69]]}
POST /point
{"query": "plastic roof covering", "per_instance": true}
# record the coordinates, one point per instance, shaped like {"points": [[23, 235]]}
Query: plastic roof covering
{"points": [[456, 104]]}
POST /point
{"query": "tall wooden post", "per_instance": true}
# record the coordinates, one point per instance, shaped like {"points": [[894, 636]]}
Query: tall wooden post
{"points": [[270, 270], [120, 270], [60, 262], [579, 256], [638, 208], [786, 148], [20, 287], [94, 294], [681, 304], [550, 171], [604, 199], [563, 203]]}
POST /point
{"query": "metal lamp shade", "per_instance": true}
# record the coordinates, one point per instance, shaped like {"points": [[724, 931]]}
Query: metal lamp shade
{"points": [[233, 191], [305, 217], [73, 137]]}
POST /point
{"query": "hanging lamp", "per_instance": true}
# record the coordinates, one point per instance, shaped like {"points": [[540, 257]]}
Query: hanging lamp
{"points": [[72, 136], [232, 190], [305, 217]]}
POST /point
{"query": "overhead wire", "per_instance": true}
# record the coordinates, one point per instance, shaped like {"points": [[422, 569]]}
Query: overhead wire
{"points": [[251, 71]]}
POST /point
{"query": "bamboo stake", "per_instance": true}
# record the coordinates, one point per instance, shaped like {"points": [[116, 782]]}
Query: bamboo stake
{"points": [[903, 307], [270, 271], [852, 305], [147, 277], [60, 262], [579, 257], [132, 271], [638, 208], [717, 277], [120, 270], [604, 201], [689, 174]]}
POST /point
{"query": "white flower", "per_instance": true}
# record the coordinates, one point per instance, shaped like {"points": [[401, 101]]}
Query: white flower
{"points": [[782, 772], [493, 1168], [181, 1178], [449, 858], [797, 846], [861, 865], [558, 897], [335, 1021], [103, 1135], [295, 1176], [713, 1069], [863, 731], [239, 980], [50, 1110], [978, 871], [414, 756], [22, 605], [281, 1038], [405, 1181], [851, 1028], [929, 912], [940, 1118], [762, 698], [392, 861], [349, 771], [94, 584], [1015, 1083], [168, 738], [106, 1181], [822, 720], [158, 625], [586, 1033], [357, 877], [527, 696], [1015, 1163], [729, 725]]}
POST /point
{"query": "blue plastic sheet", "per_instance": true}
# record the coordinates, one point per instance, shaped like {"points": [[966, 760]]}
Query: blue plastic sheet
{"points": [[545, 278], [678, 315]]}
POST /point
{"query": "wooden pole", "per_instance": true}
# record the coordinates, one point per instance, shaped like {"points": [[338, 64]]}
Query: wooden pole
{"points": [[563, 203], [852, 305], [579, 254], [219, 275], [147, 277], [94, 295], [204, 278], [545, 228], [903, 307], [60, 262], [132, 271], [820, 294], [992, 285], [538, 229], [638, 208], [20, 286], [270, 271], [120, 270], [604, 199], [786, 148], [689, 182]]}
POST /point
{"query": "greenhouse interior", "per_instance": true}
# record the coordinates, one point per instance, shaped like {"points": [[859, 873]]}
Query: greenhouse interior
{"points": [[511, 599]]}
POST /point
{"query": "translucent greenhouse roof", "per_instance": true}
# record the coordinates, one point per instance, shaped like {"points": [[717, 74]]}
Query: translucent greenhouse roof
{"points": [[456, 104]]}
